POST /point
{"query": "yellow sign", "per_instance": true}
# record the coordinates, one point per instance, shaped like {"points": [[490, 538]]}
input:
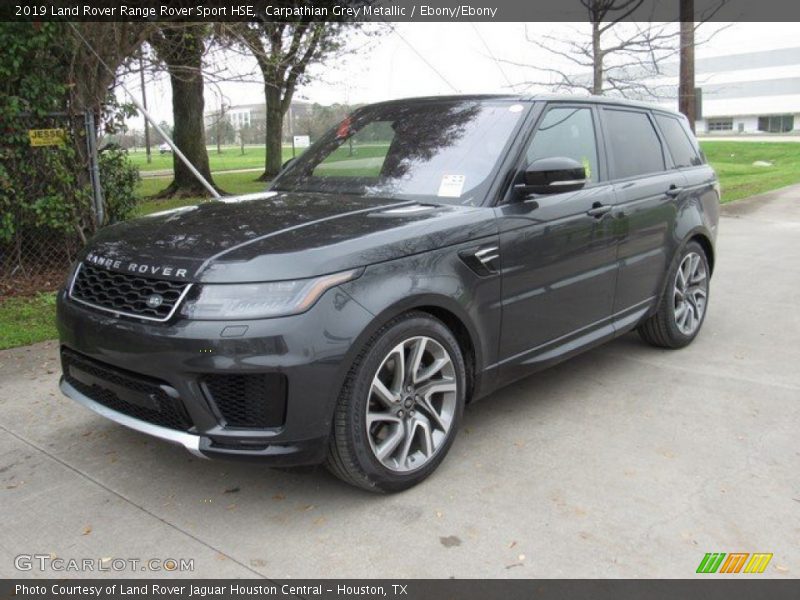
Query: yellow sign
{"points": [[47, 137]]}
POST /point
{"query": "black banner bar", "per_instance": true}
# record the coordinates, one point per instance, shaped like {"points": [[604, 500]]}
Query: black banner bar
{"points": [[380, 10], [737, 588]]}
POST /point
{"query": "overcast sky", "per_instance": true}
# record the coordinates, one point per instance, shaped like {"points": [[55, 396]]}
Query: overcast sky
{"points": [[438, 58]]}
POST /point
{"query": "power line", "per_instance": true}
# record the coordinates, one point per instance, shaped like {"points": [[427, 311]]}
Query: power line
{"points": [[422, 57], [494, 58]]}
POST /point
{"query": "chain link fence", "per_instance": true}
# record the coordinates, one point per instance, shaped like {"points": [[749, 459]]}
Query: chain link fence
{"points": [[45, 217]]}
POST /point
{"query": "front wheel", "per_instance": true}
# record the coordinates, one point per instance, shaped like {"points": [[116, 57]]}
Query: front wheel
{"points": [[400, 406], [683, 307]]}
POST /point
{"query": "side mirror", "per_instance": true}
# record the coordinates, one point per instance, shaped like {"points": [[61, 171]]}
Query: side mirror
{"points": [[552, 176], [287, 163]]}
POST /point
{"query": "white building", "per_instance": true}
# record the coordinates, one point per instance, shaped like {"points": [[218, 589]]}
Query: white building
{"points": [[255, 115], [756, 92], [748, 93]]}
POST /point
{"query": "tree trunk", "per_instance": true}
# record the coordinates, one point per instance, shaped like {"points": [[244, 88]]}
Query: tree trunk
{"points": [[686, 95], [597, 61], [274, 145], [182, 50]]}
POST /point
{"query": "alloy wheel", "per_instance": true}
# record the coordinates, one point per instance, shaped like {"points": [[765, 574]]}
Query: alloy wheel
{"points": [[412, 403], [690, 293]]}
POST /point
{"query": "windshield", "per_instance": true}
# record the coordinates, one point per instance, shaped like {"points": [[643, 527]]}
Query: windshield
{"points": [[441, 149]]}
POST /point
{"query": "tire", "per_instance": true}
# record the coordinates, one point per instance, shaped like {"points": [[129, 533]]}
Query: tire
{"points": [[683, 307], [407, 425]]}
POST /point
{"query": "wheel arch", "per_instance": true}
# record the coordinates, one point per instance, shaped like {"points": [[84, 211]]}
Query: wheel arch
{"points": [[463, 337], [450, 314], [702, 237], [704, 240]]}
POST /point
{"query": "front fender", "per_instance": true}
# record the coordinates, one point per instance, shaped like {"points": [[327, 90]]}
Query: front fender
{"points": [[440, 282]]}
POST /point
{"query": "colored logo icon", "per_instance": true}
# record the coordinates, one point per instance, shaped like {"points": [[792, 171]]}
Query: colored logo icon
{"points": [[735, 562]]}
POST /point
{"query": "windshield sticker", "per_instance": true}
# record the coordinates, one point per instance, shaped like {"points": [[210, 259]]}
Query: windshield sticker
{"points": [[451, 186], [515, 108]]}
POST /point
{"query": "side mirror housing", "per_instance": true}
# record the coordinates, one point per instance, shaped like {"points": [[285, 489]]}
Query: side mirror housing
{"points": [[552, 176], [288, 162]]}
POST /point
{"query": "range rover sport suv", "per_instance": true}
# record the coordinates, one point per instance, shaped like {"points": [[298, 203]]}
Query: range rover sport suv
{"points": [[418, 256]]}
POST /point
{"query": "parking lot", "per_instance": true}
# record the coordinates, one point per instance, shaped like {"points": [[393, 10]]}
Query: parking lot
{"points": [[627, 461]]}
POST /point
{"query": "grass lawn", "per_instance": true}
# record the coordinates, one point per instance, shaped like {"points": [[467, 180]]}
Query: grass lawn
{"points": [[27, 320], [236, 183], [231, 158], [233, 183], [253, 157], [738, 178]]}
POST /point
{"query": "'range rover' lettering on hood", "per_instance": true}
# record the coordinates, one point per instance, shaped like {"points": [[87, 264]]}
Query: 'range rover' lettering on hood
{"points": [[287, 236], [138, 268]]}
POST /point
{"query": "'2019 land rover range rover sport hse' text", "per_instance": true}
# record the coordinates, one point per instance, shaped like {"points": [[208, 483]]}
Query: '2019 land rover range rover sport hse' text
{"points": [[421, 254]]}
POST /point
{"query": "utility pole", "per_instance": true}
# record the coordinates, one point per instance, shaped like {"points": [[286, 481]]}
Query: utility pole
{"points": [[144, 103], [687, 102]]}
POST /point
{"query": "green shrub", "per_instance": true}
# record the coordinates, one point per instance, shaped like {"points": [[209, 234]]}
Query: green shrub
{"points": [[119, 178]]}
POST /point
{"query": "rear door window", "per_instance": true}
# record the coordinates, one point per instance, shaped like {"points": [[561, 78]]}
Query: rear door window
{"points": [[633, 143], [683, 151]]}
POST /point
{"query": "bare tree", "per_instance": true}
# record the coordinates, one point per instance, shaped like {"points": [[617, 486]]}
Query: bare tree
{"points": [[615, 55], [181, 47], [284, 52], [92, 54], [620, 53]]}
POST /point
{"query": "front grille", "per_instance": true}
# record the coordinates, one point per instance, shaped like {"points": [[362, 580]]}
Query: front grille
{"points": [[131, 394], [126, 294], [253, 401]]}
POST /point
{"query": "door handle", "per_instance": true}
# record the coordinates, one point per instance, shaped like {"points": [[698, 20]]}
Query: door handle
{"points": [[674, 191], [598, 210]]}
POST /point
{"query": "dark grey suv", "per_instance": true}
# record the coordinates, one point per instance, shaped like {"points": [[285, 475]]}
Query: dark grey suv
{"points": [[418, 256]]}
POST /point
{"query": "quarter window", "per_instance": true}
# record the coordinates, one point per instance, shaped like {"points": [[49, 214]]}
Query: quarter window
{"points": [[567, 132], [683, 151], [634, 143]]}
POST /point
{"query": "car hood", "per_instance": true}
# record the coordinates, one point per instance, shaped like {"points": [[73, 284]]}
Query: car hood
{"points": [[274, 236]]}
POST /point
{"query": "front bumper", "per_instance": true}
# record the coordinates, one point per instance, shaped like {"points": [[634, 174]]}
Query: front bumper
{"points": [[308, 452], [188, 440], [312, 351]]}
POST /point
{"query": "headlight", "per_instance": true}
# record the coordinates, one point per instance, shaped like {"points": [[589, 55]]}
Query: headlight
{"points": [[260, 300]]}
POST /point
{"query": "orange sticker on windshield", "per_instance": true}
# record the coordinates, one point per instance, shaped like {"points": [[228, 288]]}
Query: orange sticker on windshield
{"points": [[344, 129]]}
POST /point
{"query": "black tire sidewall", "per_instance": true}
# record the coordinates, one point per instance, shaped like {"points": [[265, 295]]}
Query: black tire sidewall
{"points": [[413, 325]]}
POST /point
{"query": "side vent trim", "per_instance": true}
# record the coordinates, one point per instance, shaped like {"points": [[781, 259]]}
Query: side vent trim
{"points": [[482, 259]]}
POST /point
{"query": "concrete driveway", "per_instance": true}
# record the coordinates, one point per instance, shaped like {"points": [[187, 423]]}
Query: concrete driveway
{"points": [[625, 462]]}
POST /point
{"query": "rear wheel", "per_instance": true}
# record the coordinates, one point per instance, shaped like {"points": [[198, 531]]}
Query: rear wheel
{"points": [[683, 307], [400, 407]]}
